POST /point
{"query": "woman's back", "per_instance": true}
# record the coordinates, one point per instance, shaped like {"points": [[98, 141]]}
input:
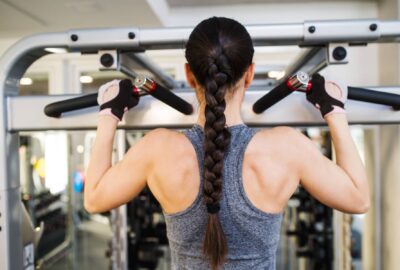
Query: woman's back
{"points": [[232, 200], [249, 214], [268, 178]]}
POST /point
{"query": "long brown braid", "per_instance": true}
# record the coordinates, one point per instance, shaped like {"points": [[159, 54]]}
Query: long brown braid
{"points": [[219, 51]]}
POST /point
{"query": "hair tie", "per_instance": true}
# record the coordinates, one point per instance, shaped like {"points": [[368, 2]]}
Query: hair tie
{"points": [[212, 208]]}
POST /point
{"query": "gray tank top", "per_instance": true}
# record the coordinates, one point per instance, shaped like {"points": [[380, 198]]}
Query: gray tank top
{"points": [[252, 234]]}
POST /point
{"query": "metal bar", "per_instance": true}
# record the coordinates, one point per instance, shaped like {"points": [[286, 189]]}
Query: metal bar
{"points": [[378, 196], [11, 248], [150, 113], [351, 31], [17, 59], [311, 60], [318, 68], [143, 86], [127, 66], [119, 223], [82, 102], [128, 72], [367, 95], [162, 77]]}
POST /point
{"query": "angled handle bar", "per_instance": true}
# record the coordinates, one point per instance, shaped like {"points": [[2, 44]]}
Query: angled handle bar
{"points": [[143, 86]]}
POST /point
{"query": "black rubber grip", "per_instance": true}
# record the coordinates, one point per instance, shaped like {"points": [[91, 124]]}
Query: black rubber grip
{"points": [[272, 97], [372, 96], [57, 108], [172, 100]]}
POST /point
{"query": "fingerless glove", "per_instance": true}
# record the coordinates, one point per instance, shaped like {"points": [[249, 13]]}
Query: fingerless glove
{"points": [[321, 99], [116, 97]]}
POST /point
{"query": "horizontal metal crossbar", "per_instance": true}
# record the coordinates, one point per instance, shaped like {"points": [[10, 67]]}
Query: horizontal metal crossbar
{"points": [[150, 113]]}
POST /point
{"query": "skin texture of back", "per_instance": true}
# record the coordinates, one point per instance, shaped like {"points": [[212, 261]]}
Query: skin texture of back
{"points": [[267, 178], [273, 167], [270, 172]]}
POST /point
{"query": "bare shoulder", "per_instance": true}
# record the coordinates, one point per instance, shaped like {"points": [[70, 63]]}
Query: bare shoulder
{"points": [[161, 133], [161, 136], [278, 138], [164, 141], [283, 132]]}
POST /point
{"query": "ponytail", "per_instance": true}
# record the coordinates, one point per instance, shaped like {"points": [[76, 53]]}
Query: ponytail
{"points": [[219, 51], [217, 138]]}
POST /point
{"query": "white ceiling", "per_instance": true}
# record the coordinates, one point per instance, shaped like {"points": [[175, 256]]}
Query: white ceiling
{"points": [[21, 17], [190, 3]]}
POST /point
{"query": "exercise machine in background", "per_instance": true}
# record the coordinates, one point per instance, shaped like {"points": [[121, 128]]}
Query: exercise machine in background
{"points": [[122, 49]]}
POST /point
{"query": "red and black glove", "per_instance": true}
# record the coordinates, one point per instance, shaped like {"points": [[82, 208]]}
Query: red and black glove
{"points": [[325, 102], [116, 97]]}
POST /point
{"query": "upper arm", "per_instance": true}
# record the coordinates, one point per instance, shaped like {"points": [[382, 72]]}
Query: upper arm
{"points": [[126, 179], [322, 178]]}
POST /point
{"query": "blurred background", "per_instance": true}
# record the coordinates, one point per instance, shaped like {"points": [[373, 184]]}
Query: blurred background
{"points": [[53, 163]]}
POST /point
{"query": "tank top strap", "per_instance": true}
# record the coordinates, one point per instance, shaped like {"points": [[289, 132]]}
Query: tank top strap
{"points": [[196, 138], [240, 138]]}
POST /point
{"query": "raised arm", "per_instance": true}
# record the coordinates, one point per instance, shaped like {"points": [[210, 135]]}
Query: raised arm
{"points": [[344, 185], [109, 186]]}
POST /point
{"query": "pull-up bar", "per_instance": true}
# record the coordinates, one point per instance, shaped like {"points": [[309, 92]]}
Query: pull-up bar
{"points": [[15, 61], [143, 86], [355, 93]]}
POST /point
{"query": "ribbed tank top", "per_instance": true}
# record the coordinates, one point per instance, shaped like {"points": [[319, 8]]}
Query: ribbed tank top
{"points": [[252, 234]]}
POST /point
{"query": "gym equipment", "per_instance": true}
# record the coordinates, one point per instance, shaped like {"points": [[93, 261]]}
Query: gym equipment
{"points": [[313, 225], [147, 234], [141, 82], [322, 37], [300, 82]]}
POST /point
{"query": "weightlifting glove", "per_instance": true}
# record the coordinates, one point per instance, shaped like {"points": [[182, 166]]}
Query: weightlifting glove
{"points": [[116, 97], [323, 96]]}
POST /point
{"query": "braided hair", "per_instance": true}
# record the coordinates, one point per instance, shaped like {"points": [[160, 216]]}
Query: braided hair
{"points": [[219, 51]]}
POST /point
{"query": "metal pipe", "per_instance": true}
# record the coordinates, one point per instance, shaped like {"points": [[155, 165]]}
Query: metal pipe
{"points": [[162, 77], [150, 113], [313, 57], [143, 86], [371, 96], [310, 62], [15, 61]]}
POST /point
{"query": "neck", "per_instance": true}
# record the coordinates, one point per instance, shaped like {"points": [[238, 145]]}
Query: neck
{"points": [[232, 114]]}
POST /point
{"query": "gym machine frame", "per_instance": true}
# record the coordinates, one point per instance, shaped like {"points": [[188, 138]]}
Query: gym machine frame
{"points": [[150, 113]]}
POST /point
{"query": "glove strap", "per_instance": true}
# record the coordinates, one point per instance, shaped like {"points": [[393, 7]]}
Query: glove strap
{"points": [[330, 107], [107, 112]]}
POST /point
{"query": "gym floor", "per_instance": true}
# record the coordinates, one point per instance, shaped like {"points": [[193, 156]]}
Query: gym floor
{"points": [[90, 248]]}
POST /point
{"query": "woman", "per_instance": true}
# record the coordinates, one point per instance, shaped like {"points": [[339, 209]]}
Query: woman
{"points": [[223, 199]]}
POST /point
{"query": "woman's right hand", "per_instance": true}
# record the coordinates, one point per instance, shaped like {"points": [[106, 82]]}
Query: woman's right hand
{"points": [[116, 97], [327, 96]]}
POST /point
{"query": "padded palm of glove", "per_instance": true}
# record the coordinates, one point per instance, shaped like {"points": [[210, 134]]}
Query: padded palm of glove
{"points": [[320, 98], [116, 97]]}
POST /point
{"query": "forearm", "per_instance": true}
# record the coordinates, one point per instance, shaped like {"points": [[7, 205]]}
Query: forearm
{"points": [[347, 156], [100, 160]]}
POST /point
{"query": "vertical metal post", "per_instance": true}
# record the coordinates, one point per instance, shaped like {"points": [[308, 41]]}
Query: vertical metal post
{"points": [[119, 218], [378, 201], [11, 247], [11, 251], [389, 145]]}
